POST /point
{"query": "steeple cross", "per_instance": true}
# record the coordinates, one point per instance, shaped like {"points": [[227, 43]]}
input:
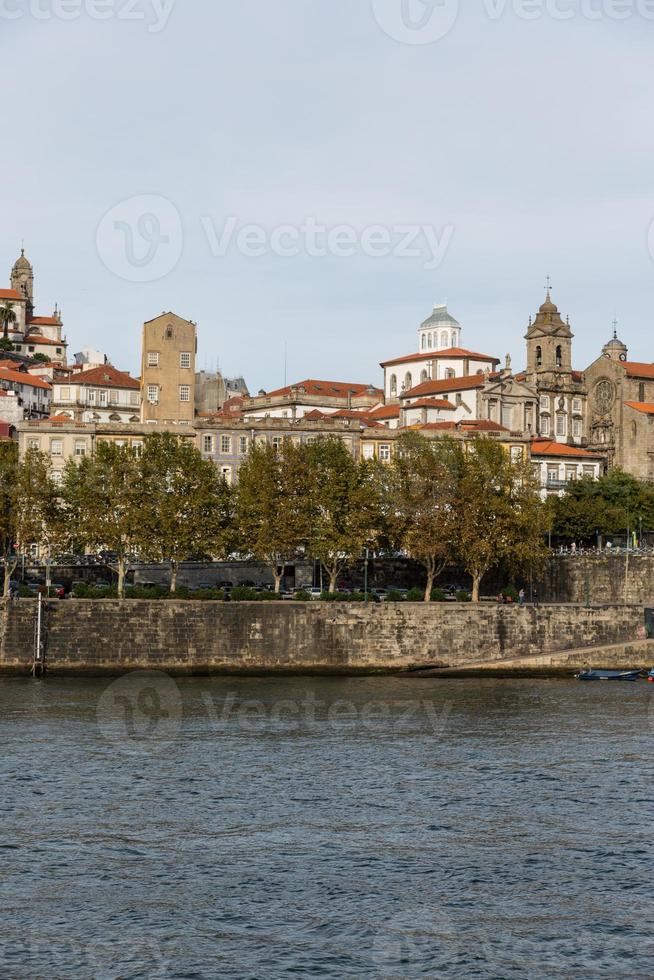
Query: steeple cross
{"points": [[548, 287]]}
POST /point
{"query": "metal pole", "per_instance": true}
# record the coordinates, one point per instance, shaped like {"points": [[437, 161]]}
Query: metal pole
{"points": [[365, 566], [37, 652]]}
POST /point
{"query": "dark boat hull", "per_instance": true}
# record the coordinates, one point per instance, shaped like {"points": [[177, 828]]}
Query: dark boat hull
{"points": [[608, 675]]}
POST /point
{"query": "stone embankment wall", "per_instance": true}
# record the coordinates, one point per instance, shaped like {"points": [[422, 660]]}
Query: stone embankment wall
{"points": [[99, 636], [607, 579]]}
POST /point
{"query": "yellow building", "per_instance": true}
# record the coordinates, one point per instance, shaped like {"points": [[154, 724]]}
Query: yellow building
{"points": [[168, 370]]}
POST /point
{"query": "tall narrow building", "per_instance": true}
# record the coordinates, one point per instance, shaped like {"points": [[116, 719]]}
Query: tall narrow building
{"points": [[168, 369]]}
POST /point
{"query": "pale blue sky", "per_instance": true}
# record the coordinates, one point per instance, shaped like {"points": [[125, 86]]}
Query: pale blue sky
{"points": [[532, 140]]}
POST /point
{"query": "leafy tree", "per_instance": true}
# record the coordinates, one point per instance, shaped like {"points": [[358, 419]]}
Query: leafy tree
{"points": [[41, 358], [341, 503], [610, 505], [7, 317], [37, 514], [500, 515], [185, 503], [272, 505], [8, 479], [101, 499], [423, 512]]}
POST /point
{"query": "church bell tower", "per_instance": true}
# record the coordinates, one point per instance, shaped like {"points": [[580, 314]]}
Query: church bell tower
{"points": [[549, 341], [22, 280]]}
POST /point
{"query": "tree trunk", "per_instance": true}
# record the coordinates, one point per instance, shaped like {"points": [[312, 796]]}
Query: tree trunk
{"points": [[278, 575], [121, 578], [476, 582], [10, 568], [431, 575], [333, 579], [174, 568]]}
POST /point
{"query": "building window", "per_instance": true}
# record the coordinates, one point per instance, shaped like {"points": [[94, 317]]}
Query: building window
{"points": [[153, 358], [423, 376], [104, 397], [424, 342], [368, 451], [544, 402], [65, 394], [56, 476], [385, 452], [184, 393], [516, 454], [276, 442], [137, 449], [393, 384], [560, 425], [408, 381], [208, 444], [544, 425], [559, 357], [507, 416], [80, 448], [185, 360], [226, 473], [225, 444], [641, 392], [552, 474], [243, 445], [634, 430], [577, 430], [429, 341], [120, 443], [34, 444], [153, 394], [443, 340], [31, 349], [576, 404], [56, 447], [134, 398], [539, 356], [588, 471], [570, 473]]}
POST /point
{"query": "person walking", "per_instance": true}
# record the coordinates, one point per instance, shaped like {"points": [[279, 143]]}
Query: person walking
{"points": [[521, 597]]}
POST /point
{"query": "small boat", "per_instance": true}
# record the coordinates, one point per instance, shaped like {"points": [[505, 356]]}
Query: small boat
{"points": [[650, 676], [608, 675]]}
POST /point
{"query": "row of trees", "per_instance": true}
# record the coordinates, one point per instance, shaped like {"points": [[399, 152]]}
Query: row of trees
{"points": [[614, 504], [438, 502]]}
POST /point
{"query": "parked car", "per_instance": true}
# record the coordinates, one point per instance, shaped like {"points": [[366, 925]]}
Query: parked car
{"points": [[314, 592], [379, 595]]}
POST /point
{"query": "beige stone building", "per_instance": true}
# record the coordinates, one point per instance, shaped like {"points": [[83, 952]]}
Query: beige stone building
{"points": [[168, 352]]}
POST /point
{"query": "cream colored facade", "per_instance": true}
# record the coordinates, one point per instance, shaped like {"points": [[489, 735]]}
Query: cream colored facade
{"points": [[168, 354]]}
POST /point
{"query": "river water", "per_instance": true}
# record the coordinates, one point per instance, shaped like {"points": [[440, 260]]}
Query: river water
{"points": [[326, 827]]}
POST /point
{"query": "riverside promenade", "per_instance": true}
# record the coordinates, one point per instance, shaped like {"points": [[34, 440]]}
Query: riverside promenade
{"points": [[187, 637]]}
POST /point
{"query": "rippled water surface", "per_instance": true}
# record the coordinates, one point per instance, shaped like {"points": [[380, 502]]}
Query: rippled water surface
{"points": [[311, 827]]}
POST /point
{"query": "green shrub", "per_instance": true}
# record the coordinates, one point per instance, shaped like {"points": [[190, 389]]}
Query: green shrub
{"points": [[138, 592], [267, 596], [302, 596], [394, 596], [207, 595], [463, 596], [356, 597], [415, 595], [510, 592], [438, 595], [334, 596], [244, 594]]}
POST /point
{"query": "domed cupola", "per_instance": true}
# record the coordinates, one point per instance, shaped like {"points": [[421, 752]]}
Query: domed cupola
{"points": [[440, 331], [22, 280], [615, 350], [549, 339]]}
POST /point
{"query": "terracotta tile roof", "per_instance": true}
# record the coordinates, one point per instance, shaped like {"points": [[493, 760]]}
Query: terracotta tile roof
{"points": [[548, 447], [23, 378], [10, 294], [440, 403], [37, 338], [647, 408], [384, 412], [106, 376], [60, 417], [45, 321], [330, 389], [465, 383], [636, 369], [450, 352]]}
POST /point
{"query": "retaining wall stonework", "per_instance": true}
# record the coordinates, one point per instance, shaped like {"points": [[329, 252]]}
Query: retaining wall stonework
{"points": [[179, 636]]}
